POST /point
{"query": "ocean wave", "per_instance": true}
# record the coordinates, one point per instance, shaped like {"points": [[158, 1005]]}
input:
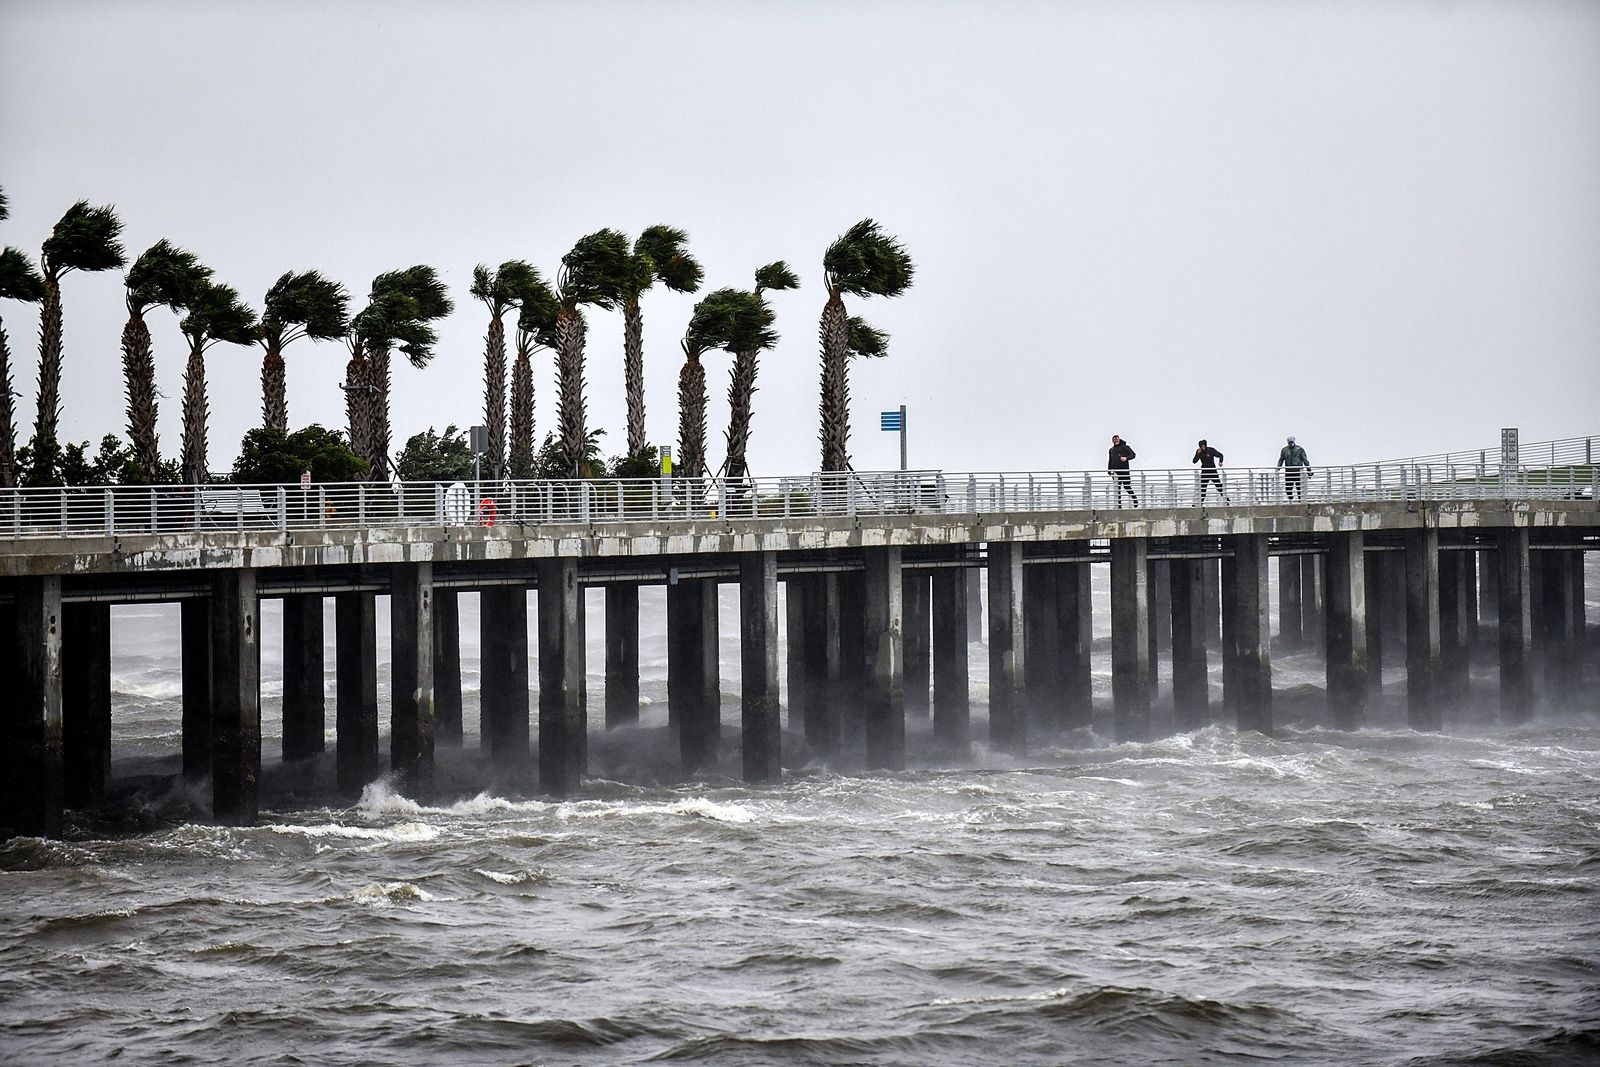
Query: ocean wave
{"points": [[401, 833], [389, 894], [696, 807]]}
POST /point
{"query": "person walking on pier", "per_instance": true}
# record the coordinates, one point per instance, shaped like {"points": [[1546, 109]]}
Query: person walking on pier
{"points": [[1117, 463], [1209, 459], [1296, 468]]}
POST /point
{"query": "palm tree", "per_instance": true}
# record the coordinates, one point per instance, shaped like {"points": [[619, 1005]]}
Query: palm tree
{"points": [[716, 321], [747, 346], [865, 261], [165, 276], [594, 272], [658, 255], [297, 305], [536, 329], [501, 291], [18, 281], [400, 306], [215, 313], [84, 239]]}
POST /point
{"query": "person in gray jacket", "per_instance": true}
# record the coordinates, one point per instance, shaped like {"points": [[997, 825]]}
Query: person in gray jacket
{"points": [[1296, 468]]}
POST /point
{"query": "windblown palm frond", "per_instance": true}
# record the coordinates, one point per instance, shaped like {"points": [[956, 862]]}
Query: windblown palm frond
{"points": [[165, 275], [865, 261], [319, 306], [596, 271], [84, 239], [866, 340], [776, 276], [19, 279], [216, 313]]}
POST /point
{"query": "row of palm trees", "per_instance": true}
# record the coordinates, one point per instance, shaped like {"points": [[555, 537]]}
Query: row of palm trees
{"points": [[604, 270]]}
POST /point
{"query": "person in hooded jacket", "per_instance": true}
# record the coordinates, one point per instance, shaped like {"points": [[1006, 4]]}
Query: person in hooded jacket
{"points": [[1209, 459], [1117, 463], [1296, 468]]}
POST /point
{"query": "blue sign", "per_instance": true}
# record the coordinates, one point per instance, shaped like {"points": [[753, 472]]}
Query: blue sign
{"points": [[889, 420]]}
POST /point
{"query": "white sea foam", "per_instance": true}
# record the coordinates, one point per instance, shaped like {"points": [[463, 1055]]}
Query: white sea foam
{"points": [[698, 807], [400, 833], [388, 894]]}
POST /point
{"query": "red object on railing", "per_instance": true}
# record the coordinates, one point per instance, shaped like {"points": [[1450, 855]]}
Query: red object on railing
{"points": [[486, 511]]}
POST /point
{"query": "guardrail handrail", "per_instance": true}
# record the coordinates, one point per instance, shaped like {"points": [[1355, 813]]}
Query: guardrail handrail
{"points": [[103, 511]]}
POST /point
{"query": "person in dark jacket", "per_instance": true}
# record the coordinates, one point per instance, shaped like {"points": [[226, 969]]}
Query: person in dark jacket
{"points": [[1209, 459], [1296, 468], [1117, 463]]}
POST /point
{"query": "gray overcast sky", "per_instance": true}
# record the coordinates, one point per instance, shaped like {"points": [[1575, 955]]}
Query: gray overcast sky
{"points": [[1374, 225]]}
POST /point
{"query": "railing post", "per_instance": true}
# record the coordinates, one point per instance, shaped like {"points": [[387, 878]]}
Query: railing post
{"points": [[283, 508], [62, 509], [322, 506], [583, 501], [361, 504], [1088, 491]]}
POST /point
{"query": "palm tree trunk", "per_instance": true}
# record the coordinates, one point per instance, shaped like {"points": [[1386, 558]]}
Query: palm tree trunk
{"points": [[8, 416], [522, 409], [834, 406], [692, 417], [139, 383], [355, 405], [494, 398], [633, 374], [274, 389], [741, 396], [196, 408], [378, 411], [49, 413], [570, 407]]}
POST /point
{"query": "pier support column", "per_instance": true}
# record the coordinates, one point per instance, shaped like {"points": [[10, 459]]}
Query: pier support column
{"points": [[447, 728], [563, 746], [355, 691], [1392, 568], [86, 701], [1246, 630], [622, 655], [1514, 614], [951, 698], [1191, 696], [1075, 630], [235, 697], [794, 646], [304, 711], [1488, 587], [1470, 610], [1130, 625], [1422, 629], [1211, 585], [1371, 565], [503, 678], [1578, 628], [1562, 604], [1313, 607], [411, 677], [850, 697], [1042, 631], [1160, 584], [759, 711], [194, 626], [1290, 632], [694, 692], [916, 589], [823, 667], [1455, 646], [1347, 629], [884, 647], [1008, 677], [975, 602], [32, 711]]}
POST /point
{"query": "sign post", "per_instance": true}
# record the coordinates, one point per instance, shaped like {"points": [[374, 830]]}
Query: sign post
{"points": [[895, 420]]}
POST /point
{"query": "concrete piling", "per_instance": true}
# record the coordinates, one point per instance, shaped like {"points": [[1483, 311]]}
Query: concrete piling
{"points": [[1131, 668], [1191, 697], [1291, 633], [411, 718], [1008, 692], [1347, 645], [1372, 566], [1514, 624], [194, 627], [235, 697], [1246, 633], [355, 691], [1313, 611], [563, 746], [1075, 632], [951, 701], [760, 725], [1423, 697], [33, 710], [883, 642], [916, 590], [822, 626], [503, 678], [693, 679], [1455, 648], [447, 726], [622, 654], [304, 710], [1042, 632], [86, 702]]}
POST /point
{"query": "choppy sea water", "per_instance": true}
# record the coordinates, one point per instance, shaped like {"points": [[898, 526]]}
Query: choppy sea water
{"points": [[1378, 896]]}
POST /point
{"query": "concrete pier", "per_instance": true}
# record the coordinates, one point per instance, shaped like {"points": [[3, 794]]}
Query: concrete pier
{"points": [[1191, 696], [235, 697], [32, 710], [1008, 689], [1313, 612], [1291, 632], [1131, 668], [1075, 632], [1246, 633], [304, 710], [761, 727], [1423, 697], [194, 627], [503, 678], [951, 701], [1455, 641], [822, 626], [1042, 632], [356, 691], [411, 677], [622, 654], [1346, 602], [1514, 623], [447, 726], [883, 643], [86, 702], [694, 692], [1211, 584], [563, 722], [917, 592], [1372, 565]]}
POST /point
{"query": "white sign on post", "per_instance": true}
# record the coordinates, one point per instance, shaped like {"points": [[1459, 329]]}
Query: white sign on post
{"points": [[305, 479]]}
